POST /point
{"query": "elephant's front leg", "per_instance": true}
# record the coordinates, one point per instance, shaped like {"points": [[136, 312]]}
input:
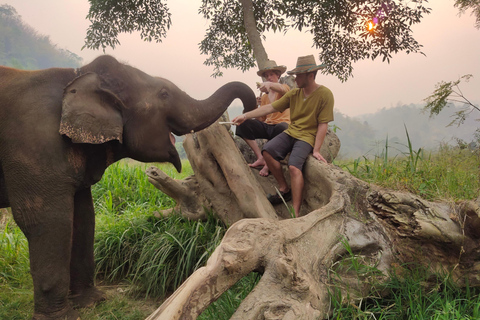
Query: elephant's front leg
{"points": [[45, 216], [82, 266]]}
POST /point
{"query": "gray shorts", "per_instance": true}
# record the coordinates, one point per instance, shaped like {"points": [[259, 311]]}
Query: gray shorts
{"points": [[281, 145]]}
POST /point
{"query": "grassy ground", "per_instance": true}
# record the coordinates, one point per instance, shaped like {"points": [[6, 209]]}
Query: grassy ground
{"points": [[450, 173], [141, 259]]}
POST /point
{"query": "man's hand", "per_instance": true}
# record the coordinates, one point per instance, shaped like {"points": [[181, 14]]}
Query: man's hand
{"points": [[238, 120], [264, 87], [318, 156]]}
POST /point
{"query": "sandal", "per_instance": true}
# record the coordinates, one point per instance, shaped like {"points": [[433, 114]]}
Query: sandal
{"points": [[279, 198]]}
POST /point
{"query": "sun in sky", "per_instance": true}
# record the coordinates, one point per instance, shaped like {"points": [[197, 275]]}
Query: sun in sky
{"points": [[371, 24]]}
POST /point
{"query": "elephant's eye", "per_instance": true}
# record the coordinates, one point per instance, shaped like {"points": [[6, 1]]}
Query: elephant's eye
{"points": [[163, 94]]}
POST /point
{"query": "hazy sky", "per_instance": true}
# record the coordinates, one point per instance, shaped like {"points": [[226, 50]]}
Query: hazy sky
{"points": [[451, 44]]}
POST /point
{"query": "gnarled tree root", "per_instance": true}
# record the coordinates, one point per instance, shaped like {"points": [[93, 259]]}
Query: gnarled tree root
{"points": [[344, 220]]}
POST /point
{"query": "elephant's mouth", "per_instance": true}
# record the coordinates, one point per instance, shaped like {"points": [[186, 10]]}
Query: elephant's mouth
{"points": [[174, 157]]}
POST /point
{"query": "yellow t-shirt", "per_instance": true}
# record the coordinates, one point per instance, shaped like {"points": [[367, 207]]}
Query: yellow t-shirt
{"points": [[306, 113], [276, 117]]}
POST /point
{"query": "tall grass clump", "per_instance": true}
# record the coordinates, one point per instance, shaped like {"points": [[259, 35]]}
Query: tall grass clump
{"points": [[155, 255], [16, 285], [413, 293], [125, 187], [409, 291], [449, 173], [13, 255]]}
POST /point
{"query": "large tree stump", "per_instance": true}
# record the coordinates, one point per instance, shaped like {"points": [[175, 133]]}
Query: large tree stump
{"points": [[303, 259], [223, 181]]}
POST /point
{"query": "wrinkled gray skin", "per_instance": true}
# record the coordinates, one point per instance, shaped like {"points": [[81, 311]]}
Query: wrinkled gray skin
{"points": [[59, 130]]}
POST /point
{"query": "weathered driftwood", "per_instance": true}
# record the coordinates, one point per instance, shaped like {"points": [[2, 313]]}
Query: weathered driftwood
{"points": [[304, 259]]}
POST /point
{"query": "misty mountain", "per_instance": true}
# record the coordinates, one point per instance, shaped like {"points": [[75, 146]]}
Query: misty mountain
{"points": [[423, 131], [23, 48], [366, 135]]}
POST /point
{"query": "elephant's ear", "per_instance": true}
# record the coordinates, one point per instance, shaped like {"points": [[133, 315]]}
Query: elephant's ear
{"points": [[91, 114]]}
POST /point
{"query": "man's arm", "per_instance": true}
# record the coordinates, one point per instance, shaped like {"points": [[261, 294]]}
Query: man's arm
{"points": [[319, 138], [277, 87], [256, 113]]}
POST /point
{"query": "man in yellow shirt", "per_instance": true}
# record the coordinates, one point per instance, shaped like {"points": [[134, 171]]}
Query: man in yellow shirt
{"points": [[311, 108], [274, 123]]}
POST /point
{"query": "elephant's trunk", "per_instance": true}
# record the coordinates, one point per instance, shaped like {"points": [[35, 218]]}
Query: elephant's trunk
{"points": [[198, 115]]}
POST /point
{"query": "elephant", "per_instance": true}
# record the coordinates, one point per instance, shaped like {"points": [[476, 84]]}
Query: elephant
{"points": [[60, 128]]}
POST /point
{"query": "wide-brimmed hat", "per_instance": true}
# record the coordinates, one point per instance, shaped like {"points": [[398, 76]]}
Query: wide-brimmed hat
{"points": [[306, 64], [271, 65]]}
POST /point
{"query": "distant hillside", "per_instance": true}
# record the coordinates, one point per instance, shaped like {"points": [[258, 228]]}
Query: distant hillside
{"points": [[23, 48], [366, 135], [424, 132]]}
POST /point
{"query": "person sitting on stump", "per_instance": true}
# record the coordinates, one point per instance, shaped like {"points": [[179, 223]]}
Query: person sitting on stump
{"points": [[311, 109], [266, 127]]}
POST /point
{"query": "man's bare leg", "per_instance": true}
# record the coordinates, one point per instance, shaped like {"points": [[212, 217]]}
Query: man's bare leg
{"points": [[256, 150], [276, 168], [297, 181]]}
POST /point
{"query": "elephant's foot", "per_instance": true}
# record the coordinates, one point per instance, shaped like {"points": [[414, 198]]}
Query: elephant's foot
{"points": [[87, 298], [66, 314]]}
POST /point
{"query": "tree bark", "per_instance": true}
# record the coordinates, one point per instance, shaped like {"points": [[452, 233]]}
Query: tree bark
{"points": [[252, 33], [303, 260]]}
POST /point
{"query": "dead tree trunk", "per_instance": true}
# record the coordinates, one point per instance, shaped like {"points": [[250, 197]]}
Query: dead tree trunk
{"points": [[303, 259]]}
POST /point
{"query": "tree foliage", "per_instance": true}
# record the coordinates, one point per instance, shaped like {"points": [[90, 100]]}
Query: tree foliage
{"points": [[465, 5], [340, 28], [21, 47], [109, 18]]}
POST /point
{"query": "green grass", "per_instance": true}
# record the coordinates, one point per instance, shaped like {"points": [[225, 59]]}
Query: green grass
{"points": [[16, 287], [141, 259], [450, 173], [409, 296], [119, 305], [155, 255], [124, 188], [223, 308], [411, 292]]}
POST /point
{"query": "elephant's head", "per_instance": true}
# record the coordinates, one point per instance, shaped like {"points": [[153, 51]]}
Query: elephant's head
{"points": [[113, 101]]}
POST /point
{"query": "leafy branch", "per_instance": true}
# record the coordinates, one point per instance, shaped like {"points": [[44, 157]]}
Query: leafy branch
{"points": [[109, 18], [447, 93]]}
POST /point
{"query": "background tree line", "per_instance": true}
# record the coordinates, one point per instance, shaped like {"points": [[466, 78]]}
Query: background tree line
{"points": [[23, 48]]}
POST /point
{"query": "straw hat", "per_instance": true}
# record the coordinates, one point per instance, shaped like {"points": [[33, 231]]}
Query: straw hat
{"points": [[271, 65], [306, 64]]}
